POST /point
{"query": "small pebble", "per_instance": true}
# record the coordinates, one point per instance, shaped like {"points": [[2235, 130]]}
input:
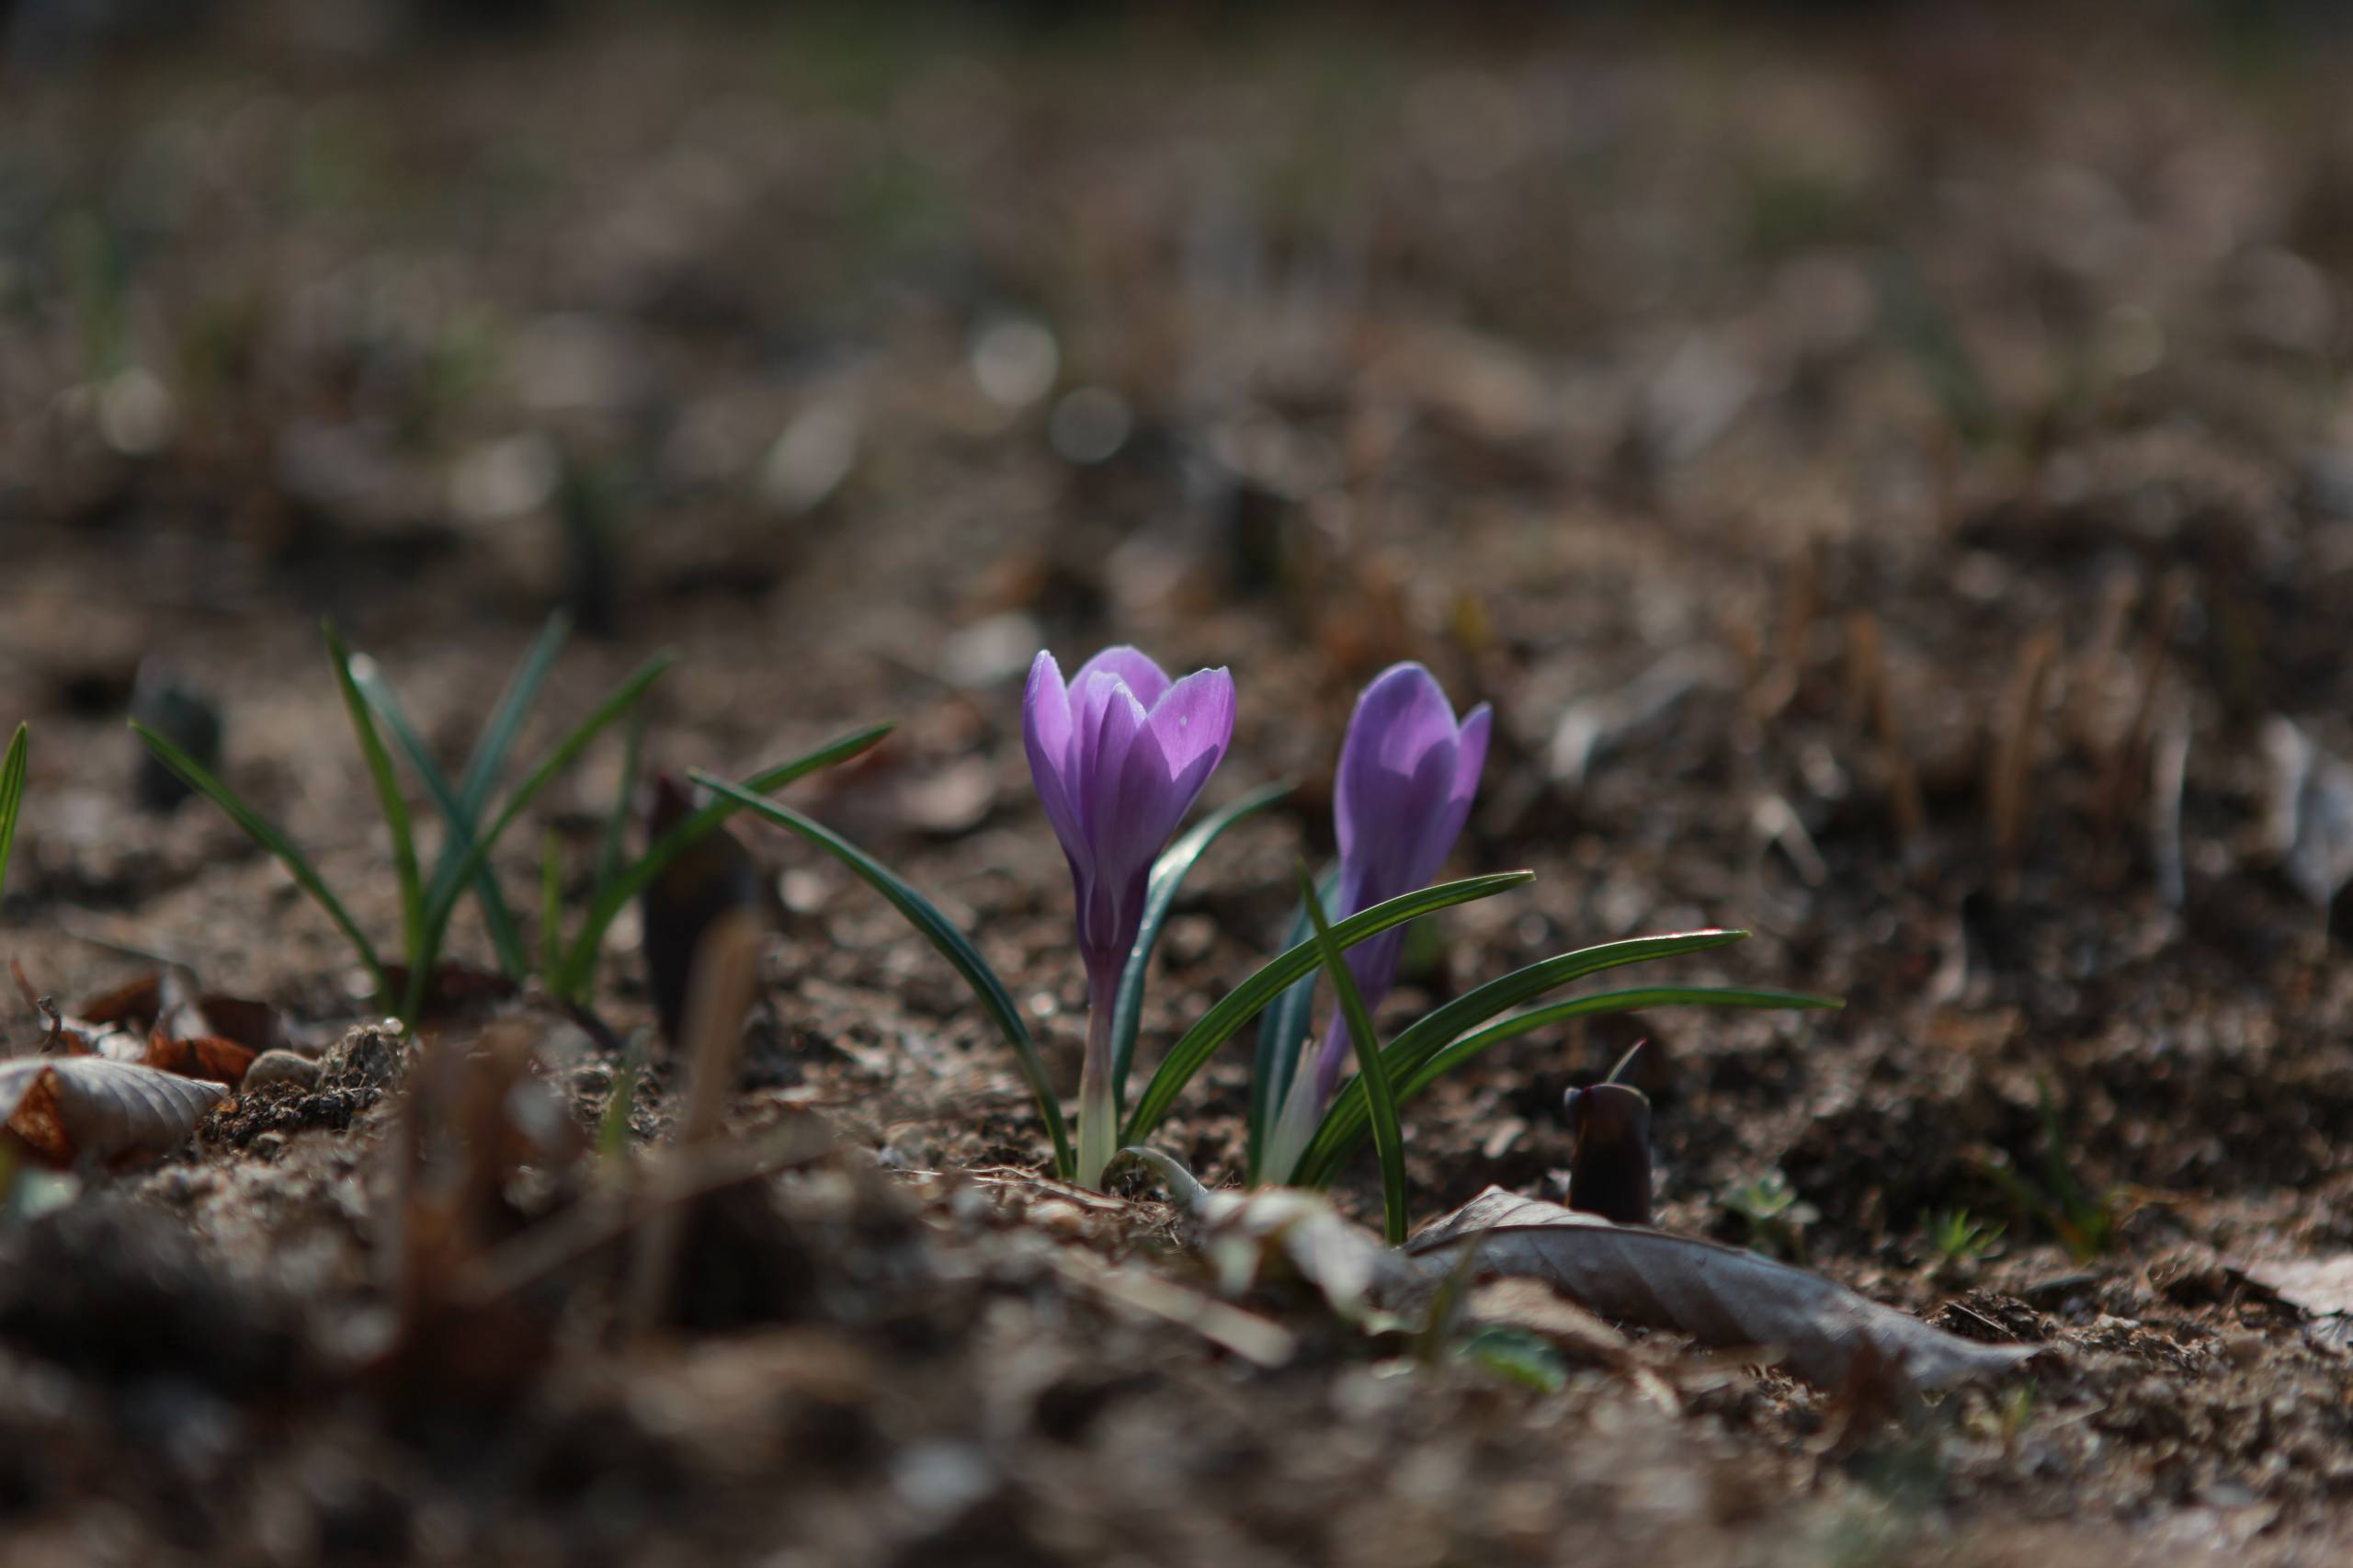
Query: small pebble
{"points": [[281, 1067], [269, 1145]]}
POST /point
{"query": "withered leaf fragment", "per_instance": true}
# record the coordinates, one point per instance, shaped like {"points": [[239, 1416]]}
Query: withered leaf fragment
{"points": [[1722, 1297], [75, 1108]]}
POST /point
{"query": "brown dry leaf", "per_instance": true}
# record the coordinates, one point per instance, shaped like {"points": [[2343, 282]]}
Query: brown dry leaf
{"points": [[164, 1003], [88, 1107], [2321, 1286], [208, 1057], [1719, 1295]]}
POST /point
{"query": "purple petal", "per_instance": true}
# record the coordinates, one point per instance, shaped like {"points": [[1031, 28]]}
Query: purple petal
{"points": [[1103, 754], [1046, 736], [1400, 718], [1194, 719], [1142, 676], [1469, 759]]}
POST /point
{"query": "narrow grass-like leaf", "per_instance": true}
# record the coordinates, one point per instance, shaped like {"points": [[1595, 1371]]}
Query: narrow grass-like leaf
{"points": [[937, 929], [1160, 893], [612, 1127], [1435, 1029], [460, 822], [298, 865], [1282, 1036], [1387, 1137], [565, 753], [11, 793], [506, 721], [608, 851], [1247, 1000], [613, 896], [416, 938], [551, 901], [1341, 1134]]}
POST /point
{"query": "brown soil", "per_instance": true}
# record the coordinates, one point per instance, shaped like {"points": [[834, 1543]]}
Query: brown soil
{"points": [[1749, 395]]}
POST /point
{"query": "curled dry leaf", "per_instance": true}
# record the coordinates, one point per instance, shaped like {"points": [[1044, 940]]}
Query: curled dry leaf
{"points": [[1241, 1232], [73, 1109], [208, 1057], [1719, 1295]]}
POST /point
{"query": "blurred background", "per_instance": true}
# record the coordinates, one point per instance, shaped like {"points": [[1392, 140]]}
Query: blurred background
{"points": [[1894, 446]]}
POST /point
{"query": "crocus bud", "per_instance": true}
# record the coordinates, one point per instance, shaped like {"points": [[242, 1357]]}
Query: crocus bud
{"points": [[1407, 775], [1119, 755]]}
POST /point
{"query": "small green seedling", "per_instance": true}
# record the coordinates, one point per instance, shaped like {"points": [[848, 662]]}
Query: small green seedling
{"points": [[1775, 1217], [2085, 1225], [426, 905], [1958, 1240]]}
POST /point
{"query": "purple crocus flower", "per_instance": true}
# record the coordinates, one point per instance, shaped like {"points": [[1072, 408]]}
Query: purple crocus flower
{"points": [[1118, 756], [1407, 774]]}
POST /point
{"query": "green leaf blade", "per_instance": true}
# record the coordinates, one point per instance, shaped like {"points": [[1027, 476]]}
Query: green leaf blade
{"points": [[197, 777], [414, 919], [937, 929], [563, 756], [506, 721], [611, 898], [1160, 895], [1282, 1038], [460, 821], [1387, 1136], [11, 793], [1431, 1032], [1346, 1122], [1245, 1002]]}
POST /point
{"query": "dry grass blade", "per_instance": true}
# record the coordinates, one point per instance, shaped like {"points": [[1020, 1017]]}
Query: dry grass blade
{"points": [[2168, 768], [1719, 1295], [76, 1109], [726, 978], [680, 1179], [1248, 1335], [2012, 762], [1870, 686]]}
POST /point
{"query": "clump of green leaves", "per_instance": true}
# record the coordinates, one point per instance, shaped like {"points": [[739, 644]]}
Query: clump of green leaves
{"points": [[475, 817], [2086, 1223], [1959, 1240], [473, 827], [1407, 1066], [1775, 1216]]}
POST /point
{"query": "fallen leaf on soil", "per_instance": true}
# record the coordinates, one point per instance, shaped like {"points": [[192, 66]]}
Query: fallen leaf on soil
{"points": [[1241, 1232], [1719, 1295], [2323, 1286], [87, 1107], [205, 1056], [2311, 815]]}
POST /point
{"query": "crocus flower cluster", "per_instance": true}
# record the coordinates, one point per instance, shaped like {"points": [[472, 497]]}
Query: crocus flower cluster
{"points": [[1407, 775], [1120, 754]]}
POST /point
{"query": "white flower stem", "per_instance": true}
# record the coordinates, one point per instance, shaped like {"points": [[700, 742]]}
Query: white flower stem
{"points": [[1294, 1127], [1099, 1129]]}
